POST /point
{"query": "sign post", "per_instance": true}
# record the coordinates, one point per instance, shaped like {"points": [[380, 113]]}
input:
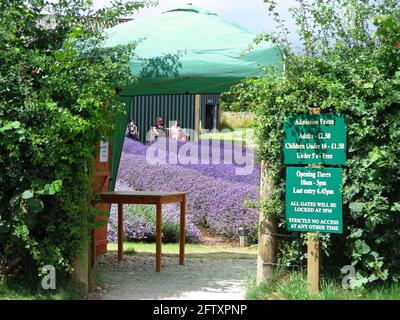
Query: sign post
{"points": [[313, 193], [313, 264]]}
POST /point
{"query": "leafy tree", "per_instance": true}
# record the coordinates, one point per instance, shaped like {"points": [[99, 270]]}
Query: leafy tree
{"points": [[58, 98], [348, 63]]}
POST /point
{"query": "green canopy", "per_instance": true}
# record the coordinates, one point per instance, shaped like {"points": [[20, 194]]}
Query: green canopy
{"points": [[189, 50], [181, 51]]}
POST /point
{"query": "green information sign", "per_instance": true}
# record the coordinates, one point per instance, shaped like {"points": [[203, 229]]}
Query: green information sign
{"points": [[314, 199], [315, 139]]}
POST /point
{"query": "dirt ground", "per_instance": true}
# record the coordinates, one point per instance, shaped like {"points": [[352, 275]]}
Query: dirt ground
{"points": [[210, 277]]}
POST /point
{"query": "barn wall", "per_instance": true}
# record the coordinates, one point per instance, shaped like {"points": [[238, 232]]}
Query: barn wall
{"points": [[144, 110]]}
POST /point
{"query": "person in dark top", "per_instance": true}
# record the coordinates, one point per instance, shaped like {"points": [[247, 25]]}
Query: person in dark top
{"points": [[132, 131]]}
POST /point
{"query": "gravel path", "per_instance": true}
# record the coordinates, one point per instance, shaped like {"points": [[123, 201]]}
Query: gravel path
{"points": [[208, 278]]}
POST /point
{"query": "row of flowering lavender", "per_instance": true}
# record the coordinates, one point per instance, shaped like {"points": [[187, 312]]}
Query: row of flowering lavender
{"points": [[206, 151], [215, 195]]}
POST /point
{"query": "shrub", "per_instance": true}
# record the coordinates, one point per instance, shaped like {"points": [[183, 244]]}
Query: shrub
{"points": [[353, 71], [57, 99]]}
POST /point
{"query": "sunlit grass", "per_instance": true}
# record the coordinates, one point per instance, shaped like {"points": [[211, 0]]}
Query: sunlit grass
{"points": [[190, 249], [15, 291], [237, 136], [292, 285]]}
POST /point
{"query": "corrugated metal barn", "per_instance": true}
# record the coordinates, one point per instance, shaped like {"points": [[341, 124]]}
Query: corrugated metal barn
{"points": [[144, 110]]}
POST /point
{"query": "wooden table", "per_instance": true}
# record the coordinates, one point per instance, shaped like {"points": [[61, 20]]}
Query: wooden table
{"points": [[157, 199]]}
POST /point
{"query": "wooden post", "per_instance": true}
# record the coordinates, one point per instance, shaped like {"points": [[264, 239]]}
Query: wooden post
{"points": [[242, 242], [120, 231], [267, 243], [158, 235], [313, 264], [182, 231], [313, 248], [197, 116], [81, 262]]}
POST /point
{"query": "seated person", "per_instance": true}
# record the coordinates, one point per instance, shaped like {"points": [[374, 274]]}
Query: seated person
{"points": [[177, 133], [132, 131], [159, 129]]}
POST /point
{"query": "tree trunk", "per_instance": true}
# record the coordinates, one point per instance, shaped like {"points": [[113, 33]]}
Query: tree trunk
{"points": [[267, 243]]}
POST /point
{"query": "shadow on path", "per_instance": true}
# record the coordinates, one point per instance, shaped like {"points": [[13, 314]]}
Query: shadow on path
{"points": [[201, 278]]}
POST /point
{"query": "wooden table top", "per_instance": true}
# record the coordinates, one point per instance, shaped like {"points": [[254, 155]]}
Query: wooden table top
{"points": [[141, 197]]}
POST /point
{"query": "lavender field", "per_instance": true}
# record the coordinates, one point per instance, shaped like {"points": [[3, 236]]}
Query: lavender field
{"points": [[216, 194]]}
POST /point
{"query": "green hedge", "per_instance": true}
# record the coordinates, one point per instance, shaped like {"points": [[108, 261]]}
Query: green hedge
{"points": [[354, 72], [57, 100]]}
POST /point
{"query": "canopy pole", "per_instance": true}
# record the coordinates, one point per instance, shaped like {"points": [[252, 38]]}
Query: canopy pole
{"points": [[197, 110]]}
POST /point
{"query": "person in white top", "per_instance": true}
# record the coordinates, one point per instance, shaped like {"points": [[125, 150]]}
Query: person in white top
{"points": [[176, 132]]}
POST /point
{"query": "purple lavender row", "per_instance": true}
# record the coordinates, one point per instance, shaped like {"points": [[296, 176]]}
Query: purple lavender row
{"points": [[222, 171], [212, 202]]}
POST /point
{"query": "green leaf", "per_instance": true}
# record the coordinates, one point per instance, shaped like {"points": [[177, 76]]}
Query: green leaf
{"points": [[395, 207], [67, 45], [374, 254], [71, 52], [59, 56], [10, 126], [57, 185], [361, 107], [356, 207], [388, 21], [54, 67], [362, 247], [49, 189], [371, 259], [357, 233], [372, 278], [373, 156], [14, 201], [378, 19], [368, 85], [76, 32], [358, 282], [34, 205], [27, 194]]}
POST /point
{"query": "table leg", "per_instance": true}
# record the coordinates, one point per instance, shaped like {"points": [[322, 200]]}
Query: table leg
{"points": [[158, 235], [120, 231], [182, 231]]}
